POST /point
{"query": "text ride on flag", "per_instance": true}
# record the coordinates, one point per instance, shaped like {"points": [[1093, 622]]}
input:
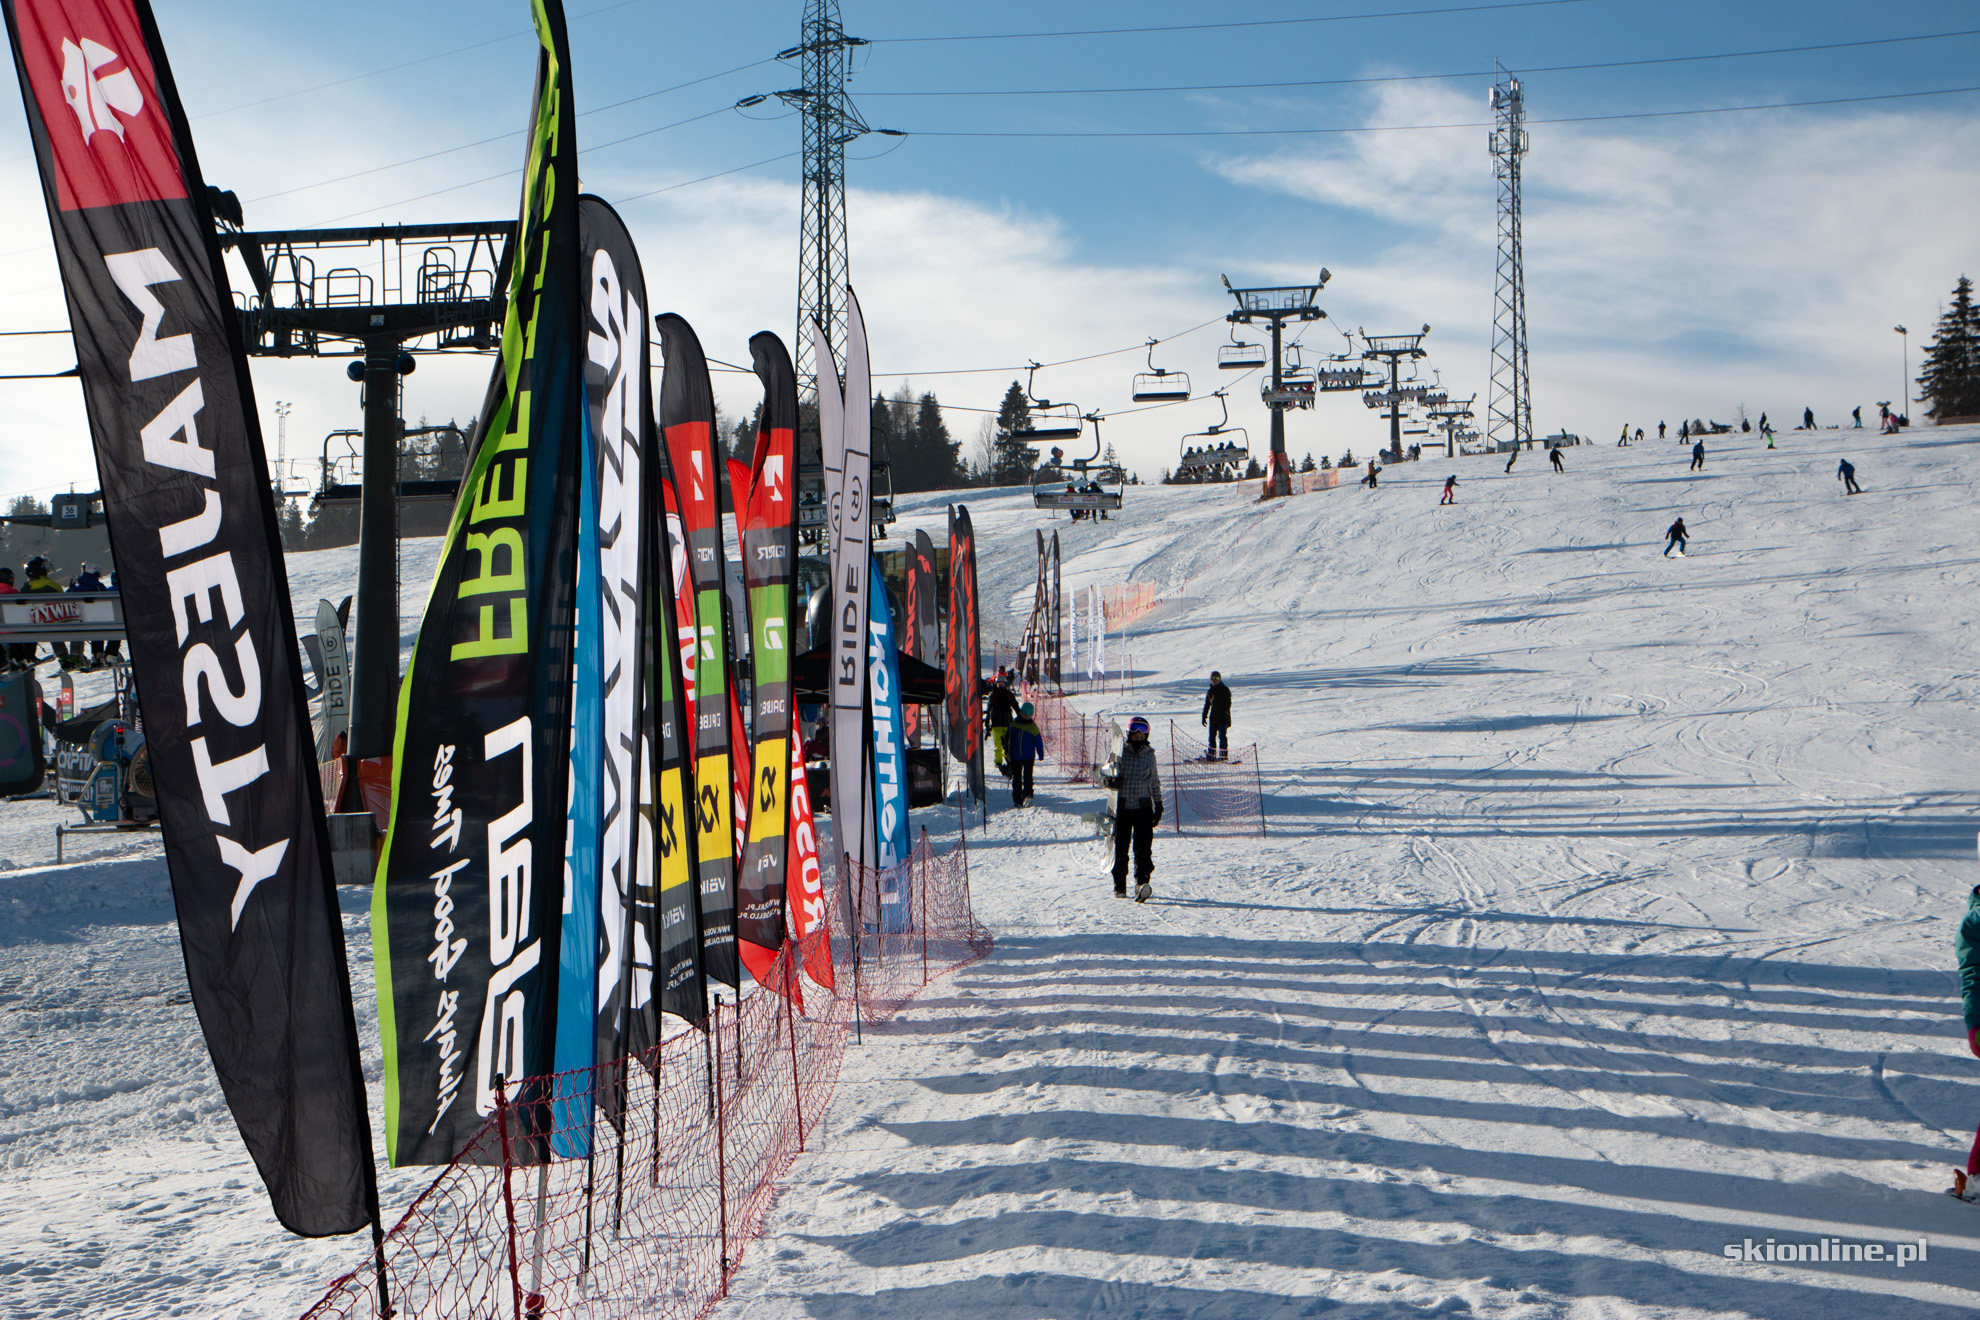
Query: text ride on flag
{"points": [[467, 910], [206, 600]]}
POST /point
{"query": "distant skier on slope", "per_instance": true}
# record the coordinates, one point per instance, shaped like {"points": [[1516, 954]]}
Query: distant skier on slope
{"points": [[1807, 419], [1966, 949], [1698, 457], [1137, 810], [1217, 716], [1450, 490], [1024, 743], [1660, 430], [1846, 474], [1856, 417], [1554, 456], [1766, 430], [1679, 538], [1623, 439]]}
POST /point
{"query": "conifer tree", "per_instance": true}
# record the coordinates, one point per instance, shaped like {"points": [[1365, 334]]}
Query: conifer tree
{"points": [[1951, 379], [1013, 457]]}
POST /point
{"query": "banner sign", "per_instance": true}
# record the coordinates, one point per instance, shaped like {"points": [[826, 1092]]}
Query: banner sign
{"points": [[467, 911], [890, 798], [810, 922], [769, 555], [963, 661], [333, 680], [687, 423], [207, 610], [846, 423]]}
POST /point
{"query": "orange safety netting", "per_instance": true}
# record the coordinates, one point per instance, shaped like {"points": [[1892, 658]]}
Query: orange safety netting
{"points": [[655, 1221]]}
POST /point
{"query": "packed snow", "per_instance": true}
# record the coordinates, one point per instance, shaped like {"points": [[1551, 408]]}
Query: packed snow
{"points": [[1605, 922]]}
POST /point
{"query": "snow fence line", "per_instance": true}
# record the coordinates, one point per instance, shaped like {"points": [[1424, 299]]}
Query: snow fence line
{"points": [[1223, 797], [688, 1139]]}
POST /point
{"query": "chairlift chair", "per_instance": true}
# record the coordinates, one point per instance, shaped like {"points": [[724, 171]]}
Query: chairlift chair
{"points": [[1240, 356], [1296, 388], [1080, 485], [1051, 421], [1158, 386], [1221, 445], [1330, 380]]}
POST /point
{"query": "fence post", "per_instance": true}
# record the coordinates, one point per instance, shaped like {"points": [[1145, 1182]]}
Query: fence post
{"points": [[790, 1020], [857, 933], [921, 906], [721, 1150], [508, 1193]]}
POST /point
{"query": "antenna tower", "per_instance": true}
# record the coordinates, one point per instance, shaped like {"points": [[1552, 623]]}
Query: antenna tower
{"points": [[830, 122], [1509, 412]]}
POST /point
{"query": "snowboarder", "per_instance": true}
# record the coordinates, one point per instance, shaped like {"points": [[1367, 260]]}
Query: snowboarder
{"points": [[1024, 743], [1217, 716], [1846, 473], [1138, 810], [1660, 430], [1856, 417], [1450, 490], [1003, 705], [1967, 950], [1515, 456], [1639, 435], [1679, 538], [1763, 423], [1623, 439], [1807, 419], [1373, 471], [1698, 457], [1554, 456], [1767, 431]]}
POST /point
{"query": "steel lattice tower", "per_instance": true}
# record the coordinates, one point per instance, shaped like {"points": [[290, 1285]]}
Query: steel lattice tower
{"points": [[1509, 409], [830, 121]]}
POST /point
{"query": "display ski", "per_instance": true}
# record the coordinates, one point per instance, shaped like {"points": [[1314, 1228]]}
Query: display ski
{"points": [[468, 904], [1054, 622], [212, 631], [769, 562], [333, 680], [687, 423]]}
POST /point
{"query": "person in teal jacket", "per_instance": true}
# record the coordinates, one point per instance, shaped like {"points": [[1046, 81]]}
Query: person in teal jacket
{"points": [[1968, 950]]}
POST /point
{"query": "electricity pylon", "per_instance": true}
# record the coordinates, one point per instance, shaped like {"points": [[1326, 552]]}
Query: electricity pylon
{"points": [[1509, 410]]}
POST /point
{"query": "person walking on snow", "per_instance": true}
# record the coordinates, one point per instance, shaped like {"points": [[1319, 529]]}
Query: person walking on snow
{"points": [[1373, 471], [1137, 811], [1515, 457], [1846, 473], [1024, 743], [1966, 949], [1684, 432], [1003, 705], [1217, 716], [1856, 416], [1660, 430], [1698, 457], [1807, 419], [1554, 456], [1623, 439], [1450, 490], [1679, 538]]}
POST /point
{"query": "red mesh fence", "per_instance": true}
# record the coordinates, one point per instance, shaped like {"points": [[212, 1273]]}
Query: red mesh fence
{"points": [[1222, 796], [654, 1222], [1074, 743]]}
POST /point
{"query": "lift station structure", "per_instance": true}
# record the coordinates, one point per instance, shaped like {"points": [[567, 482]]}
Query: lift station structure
{"points": [[1275, 306]]}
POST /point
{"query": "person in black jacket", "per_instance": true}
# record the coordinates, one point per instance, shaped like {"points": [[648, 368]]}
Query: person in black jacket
{"points": [[1003, 709], [1217, 715]]}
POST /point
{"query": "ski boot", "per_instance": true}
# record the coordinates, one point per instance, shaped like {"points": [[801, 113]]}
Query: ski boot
{"points": [[1963, 1188], [1143, 892]]}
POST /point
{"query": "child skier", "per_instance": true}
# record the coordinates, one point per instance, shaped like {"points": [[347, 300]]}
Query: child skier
{"points": [[1023, 744], [1137, 811], [1679, 538], [1450, 490], [1217, 717], [1555, 455]]}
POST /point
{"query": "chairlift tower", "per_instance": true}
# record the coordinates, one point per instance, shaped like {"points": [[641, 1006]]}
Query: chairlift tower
{"points": [[830, 122], [1276, 306], [1509, 410], [382, 290], [1393, 349]]}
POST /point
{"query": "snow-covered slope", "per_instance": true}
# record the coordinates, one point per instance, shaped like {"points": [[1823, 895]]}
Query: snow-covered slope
{"points": [[1605, 920]]}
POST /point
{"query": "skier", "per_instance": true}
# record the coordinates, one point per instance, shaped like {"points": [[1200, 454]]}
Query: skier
{"points": [[1856, 416], [1217, 716], [1846, 473], [1554, 455], [1967, 950], [1450, 490], [1138, 810], [1698, 457], [1003, 705], [1807, 419], [1679, 538], [1024, 743], [1660, 430]]}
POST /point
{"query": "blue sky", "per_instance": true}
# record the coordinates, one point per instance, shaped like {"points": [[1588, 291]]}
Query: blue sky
{"points": [[1678, 265]]}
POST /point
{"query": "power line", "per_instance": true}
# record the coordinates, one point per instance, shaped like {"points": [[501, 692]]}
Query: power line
{"points": [[689, 183], [1216, 27], [1428, 128], [1434, 77]]}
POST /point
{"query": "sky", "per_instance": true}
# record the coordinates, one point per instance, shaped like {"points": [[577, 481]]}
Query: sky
{"points": [[1076, 176]]}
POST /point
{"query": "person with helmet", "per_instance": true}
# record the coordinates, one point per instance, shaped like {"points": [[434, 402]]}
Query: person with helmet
{"points": [[1003, 707], [1217, 717], [90, 579], [41, 581], [1137, 810], [1024, 743]]}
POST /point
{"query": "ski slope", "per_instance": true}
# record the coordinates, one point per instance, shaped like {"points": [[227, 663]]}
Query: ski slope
{"points": [[1605, 919]]}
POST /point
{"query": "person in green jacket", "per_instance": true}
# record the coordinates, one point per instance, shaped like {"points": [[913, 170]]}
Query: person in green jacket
{"points": [[1968, 951]]}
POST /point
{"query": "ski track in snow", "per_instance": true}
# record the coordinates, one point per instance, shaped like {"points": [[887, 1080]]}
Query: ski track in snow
{"points": [[1605, 919]]}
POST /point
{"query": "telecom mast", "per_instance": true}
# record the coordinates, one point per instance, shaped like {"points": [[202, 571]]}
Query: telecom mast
{"points": [[830, 121], [1509, 410]]}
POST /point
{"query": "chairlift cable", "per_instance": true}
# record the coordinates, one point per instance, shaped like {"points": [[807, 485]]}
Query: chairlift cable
{"points": [[1216, 27]]}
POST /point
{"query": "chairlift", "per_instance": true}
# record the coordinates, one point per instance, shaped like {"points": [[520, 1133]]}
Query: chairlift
{"points": [[1158, 386], [1295, 389], [1335, 379], [1239, 356], [1046, 420], [1221, 445], [1085, 487]]}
